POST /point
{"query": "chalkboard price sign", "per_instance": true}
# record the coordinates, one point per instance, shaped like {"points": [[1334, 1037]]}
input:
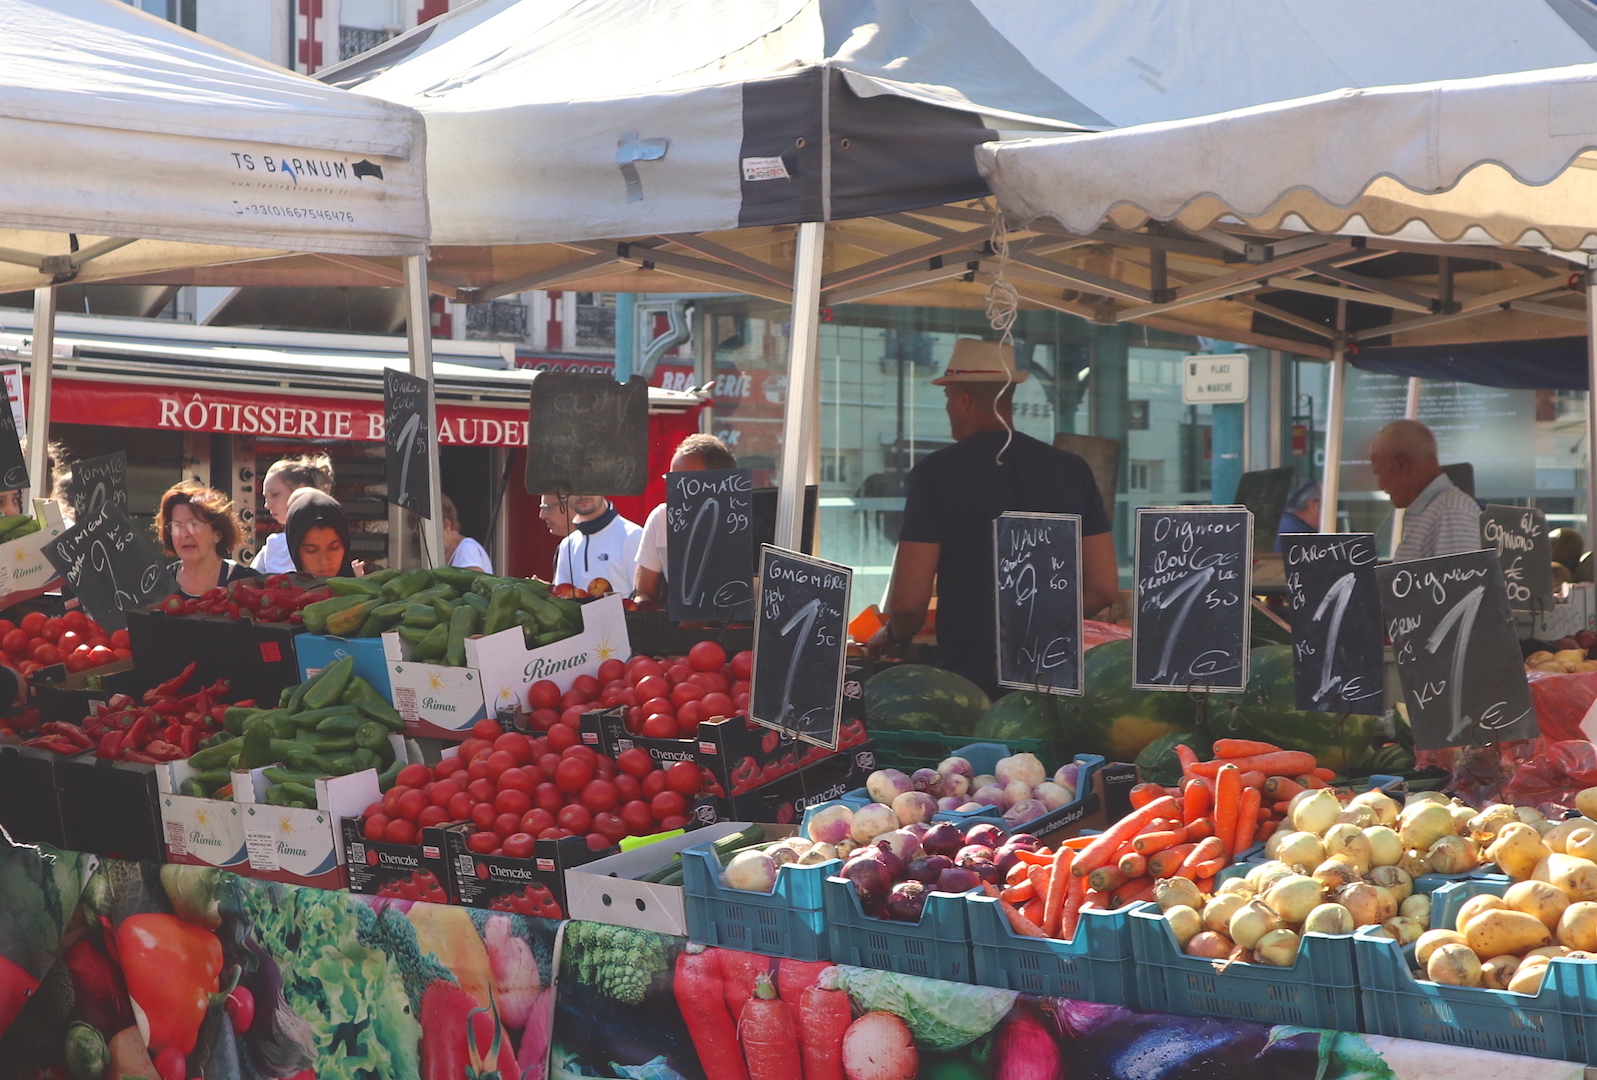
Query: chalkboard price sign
{"points": [[13, 466], [800, 645], [1193, 614], [408, 434], [1457, 652], [1037, 596], [709, 543], [110, 565], [98, 480], [1523, 547], [588, 435], [1338, 644]]}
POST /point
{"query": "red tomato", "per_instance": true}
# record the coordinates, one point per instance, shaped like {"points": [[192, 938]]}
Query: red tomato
{"points": [[684, 692], [391, 800], [78, 660], [548, 797], [611, 670], [460, 806], [713, 705], [597, 842], [587, 684], [627, 787], [610, 826], [706, 656], [675, 821], [688, 717], [481, 790], [572, 774], [574, 818], [51, 630], [560, 736], [498, 763], [486, 730], [667, 804], [120, 640], [478, 770], [413, 776], [572, 698], [554, 832], [652, 686], [447, 767], [441, 791], [544, 719], [740, 704], [76, 621], [506, 824], [683, 778], [44, 654], [659, 705], [742, 665], [599, 795], [482, 843], [543, 694], [519, 845], [32, 623], [6, 626], [605, 768], [433, 815], [610, 696], [373, 808], [742, 686], [469, 748], [653, 784], [536, 820], [376, 828], [660, 726], [516, 745], [412, 803], [640, 667], [511, 801], [400, 831], [70, 639], [629, 696], [572, 717], [483, 815], [16, 642], [677, 673], [548, 762], [535, 774], [635, 761], [122, 654], [586, 753], [637, 817], [518, 780]]}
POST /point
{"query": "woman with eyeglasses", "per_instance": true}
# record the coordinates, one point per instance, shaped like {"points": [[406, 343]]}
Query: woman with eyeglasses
{"points": [[199, 526]]}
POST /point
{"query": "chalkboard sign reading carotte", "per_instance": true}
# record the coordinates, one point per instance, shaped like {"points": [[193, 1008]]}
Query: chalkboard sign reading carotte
{"points": [[110, 566], [407, 432], [800, 645], [709, 542], [1456, 649], [1338, 644], [1037, 597], [1192, 610], [1519, 535], [587, 435], [97, 480]]}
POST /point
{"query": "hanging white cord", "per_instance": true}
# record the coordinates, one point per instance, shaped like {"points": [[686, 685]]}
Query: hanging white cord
{"points": [[1002, 307]]}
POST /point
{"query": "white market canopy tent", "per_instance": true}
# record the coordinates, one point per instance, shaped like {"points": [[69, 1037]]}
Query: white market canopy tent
{"points": [[1509, 161]]}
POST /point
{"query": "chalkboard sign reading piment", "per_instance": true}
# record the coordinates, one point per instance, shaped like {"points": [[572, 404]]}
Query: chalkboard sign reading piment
{"points": [[709, 542], [1519, 535], [587, 435], [13, 466], [1193, 614], [1037, 595], [408, 433], [1338, 643], [1456, 649], [98, 480], [110, 566], [800, 645]]}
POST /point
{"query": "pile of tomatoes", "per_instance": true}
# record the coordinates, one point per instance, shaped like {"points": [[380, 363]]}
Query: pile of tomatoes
{"points": [[516, 789], [73, 639], [664, 700]]}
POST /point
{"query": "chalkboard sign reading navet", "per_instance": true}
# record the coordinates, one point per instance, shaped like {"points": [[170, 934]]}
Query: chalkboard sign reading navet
{"points": [[98, 480], [1456, 649], [1338, 643], [1519, 535], [800, 645], [407, 432], [1193, 615], [110, 566], [709, 543], [587, 435], [1037, 597]]}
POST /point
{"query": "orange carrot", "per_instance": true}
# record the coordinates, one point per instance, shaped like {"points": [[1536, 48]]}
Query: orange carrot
{"points": [[1228, 793], [1240, 748], [1264, 814], [1132, 865], [1034, 858], [1133, 891], [1206, 869], [1095, 900], [1143, 794], [1076, 843], [1282, 763], [1032, 912], [1266, 830], [1017, 873], [1040, 876], [1312, 781], [1205, 885], [1107, 878], [1070, 917], [1097, 853], [1018, 921], [1188, 758], [1247, 820], [1284, 807], [1281, 788], [1054, 904], [1164, 863], [1254, 779], [1205, 851], [1322, 773], [1019, 894], [1194, 800], [1150, 842], [1197, 830]]}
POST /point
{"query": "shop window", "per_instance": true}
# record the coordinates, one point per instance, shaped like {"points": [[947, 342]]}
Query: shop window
{"points": [[596, 320], [1145, 475], [497, 320], [354, 40]]}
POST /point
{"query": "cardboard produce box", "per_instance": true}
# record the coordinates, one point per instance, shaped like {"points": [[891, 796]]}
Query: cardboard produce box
{"points": [[299, 846], [258, 658], [110, 807], [24, 571], [654, 634], [70, 697], [316, 651], [200, 832], [535, 886], [784, 800], [30, 805], [402, 871]]}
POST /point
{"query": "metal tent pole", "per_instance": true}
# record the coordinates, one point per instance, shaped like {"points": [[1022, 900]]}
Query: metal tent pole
{"points": [[40, 369], [1591, 397], [419, 335], [1336, 403], [798, 414]]}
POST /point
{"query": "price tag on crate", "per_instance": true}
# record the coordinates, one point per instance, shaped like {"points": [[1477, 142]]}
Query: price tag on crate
{"points": [[800, 645]]}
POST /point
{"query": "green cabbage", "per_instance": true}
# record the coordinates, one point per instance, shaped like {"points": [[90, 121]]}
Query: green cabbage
{"points": [[942, 1015]]}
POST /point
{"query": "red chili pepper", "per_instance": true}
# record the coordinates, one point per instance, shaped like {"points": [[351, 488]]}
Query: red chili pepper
{"points": [[174, 605], [118, 702], [111, 745], [168, 706], [59, 744], [161, 750], [173, 686], [139, 733], [189, 740], [141, 757], [70, 731], [191, 607]]}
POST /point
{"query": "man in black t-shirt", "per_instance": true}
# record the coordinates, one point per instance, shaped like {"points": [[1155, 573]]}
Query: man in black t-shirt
{"points": [[952, 499]]}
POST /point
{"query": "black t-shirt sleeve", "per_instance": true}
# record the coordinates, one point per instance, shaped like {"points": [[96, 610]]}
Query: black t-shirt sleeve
{"points": [[921, 520], [1093, 519]]}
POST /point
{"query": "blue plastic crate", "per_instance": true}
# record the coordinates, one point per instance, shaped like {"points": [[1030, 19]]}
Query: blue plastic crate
{"points": [[1559, 1022], [790, 921], [937, 947], [1319, 991], [1096, 965]]}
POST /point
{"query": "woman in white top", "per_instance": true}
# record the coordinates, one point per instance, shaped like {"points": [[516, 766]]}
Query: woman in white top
{"points": [[694, 454], [286, 476], [462, 551]]}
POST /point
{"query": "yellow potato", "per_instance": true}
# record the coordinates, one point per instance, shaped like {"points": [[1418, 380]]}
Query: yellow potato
{"points": [[1517, 850], [1477, 905], [1554, 837], [1539, 656], [1545, 901], [1570, 656], [1577, 877], [1551, 952], [1493, 933], [1432, 940], [1577, 927], [1581, 843], [1454, 965], [1528, 978], [1586, 802], [1496, 972]]}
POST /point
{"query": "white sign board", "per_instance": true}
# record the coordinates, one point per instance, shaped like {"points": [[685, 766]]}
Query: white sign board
{"points": [[1215, 380]]}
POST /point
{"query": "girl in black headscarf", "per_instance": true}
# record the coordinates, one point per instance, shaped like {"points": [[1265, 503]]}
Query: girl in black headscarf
{"points": [[318, 534]]}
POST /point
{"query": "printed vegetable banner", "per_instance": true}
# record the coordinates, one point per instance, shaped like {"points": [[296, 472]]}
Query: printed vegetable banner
{"points": [[114, 969]]}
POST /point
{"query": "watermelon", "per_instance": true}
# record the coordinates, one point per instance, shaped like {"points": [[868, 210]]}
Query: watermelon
{"points": [[1025, 715], [1158, 762], [1116, 721], [1268, 711], [916, 697]]}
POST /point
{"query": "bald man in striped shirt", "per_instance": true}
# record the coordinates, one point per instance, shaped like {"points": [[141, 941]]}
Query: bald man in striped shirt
{"points": [[1439, 518]]}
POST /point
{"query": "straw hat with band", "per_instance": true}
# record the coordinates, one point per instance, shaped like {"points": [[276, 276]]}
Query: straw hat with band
{"points": [[981, 361]]}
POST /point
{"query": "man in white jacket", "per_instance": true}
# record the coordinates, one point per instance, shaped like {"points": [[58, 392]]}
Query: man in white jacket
{"points": [[601, 544]]}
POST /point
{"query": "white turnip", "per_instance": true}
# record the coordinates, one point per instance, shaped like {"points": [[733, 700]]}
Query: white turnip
{"points": [[928, 780], [956, 766], [831, 824], [913, 807], [885, 785], [751, 871], [1020, 768], [1053, 795], [871, 821]]}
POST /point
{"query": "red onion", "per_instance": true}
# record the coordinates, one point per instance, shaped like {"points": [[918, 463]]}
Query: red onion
{"points": [[942, 838], [957, 879], [906, 901], [973, 853], [926, 870], [986, 834]]}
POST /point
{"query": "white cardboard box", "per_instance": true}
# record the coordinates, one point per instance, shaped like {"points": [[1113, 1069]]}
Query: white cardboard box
{"points": [[202, 832], [24, 571], [298, 846], [508, 667]]}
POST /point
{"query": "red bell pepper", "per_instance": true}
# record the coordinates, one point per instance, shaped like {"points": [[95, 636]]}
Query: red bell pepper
{"points": [[172, 968], [139, 733], [111, 745], [173, 686], [161, 750]]}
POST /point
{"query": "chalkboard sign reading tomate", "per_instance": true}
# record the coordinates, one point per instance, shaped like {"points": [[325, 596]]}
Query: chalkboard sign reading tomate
{"points": [[1037, 596], [98, 480], [408, 434], [110, 566], [1193, 616], [1519, 534], [1338, 644], [709, 543], [800, 645], [1456, 649]]}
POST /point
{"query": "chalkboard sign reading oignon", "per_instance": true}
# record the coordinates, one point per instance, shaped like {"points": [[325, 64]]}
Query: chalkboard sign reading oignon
{"points": [[110, 566], [1519, 534], [408, 434], [1338, 644], [1193, 613], [800, 645], [1456, 650], [709, 541], [1037, 595]]}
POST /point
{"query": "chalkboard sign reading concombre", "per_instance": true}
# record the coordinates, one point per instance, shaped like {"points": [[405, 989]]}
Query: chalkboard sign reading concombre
{"points": [[709, 542], [1193, 614], [1338, 644], [1456, 649], [110, 566], [1519, 534], [408, 433], [1037, 597], [800, 645]]}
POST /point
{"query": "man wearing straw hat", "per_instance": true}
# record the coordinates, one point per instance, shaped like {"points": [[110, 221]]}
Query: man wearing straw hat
{"points": [[951, 501]]}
